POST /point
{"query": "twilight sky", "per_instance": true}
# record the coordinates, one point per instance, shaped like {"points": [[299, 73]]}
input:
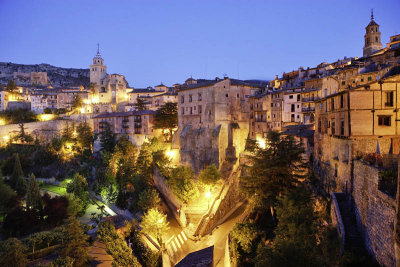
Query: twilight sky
{"points": [[168, 41]]}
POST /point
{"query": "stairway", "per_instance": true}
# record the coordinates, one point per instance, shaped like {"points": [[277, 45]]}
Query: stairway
{"points": [[353, 239]]}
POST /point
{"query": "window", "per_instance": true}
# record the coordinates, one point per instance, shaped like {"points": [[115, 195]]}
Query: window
{"points": [[291, 97], [376, 39], [319, 125], [332, 104], [272, 104], [292, 108], [298, 97], [292, 118], [251, 106], [333, 127], [384, 120], [389, 99], [199, 97], [199, 109], [190, 98], [342, 127], [183, 99], [343, 83], [226, 95], [237, 95], [341, 101], [369, 78], [191, 110]]}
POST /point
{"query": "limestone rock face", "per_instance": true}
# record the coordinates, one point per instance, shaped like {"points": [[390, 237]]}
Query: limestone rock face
{"points": [[36, 74]]}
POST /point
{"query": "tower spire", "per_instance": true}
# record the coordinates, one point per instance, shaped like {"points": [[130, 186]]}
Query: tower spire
{"points": [[372, 14], [98, 48]]}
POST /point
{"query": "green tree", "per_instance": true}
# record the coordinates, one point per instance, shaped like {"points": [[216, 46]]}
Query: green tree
{"points": [[17, 180], [273, 171], [85, 136], [6, 194], [209, 176], [182, 183], [47, 111], [34, 240], [11, 86], [77, 102], [22, 136], [107, 138], [244, 234], [148, 199], [12, 253], [140, 104], [33, 198], [155, 224], [166, 119], [295, 242], [63, 262], [116, 246], [76, 244], [67, 133], [79, 188]]}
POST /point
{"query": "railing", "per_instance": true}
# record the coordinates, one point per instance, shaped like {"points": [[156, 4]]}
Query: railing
{"points": [[308, 109], [310, 99]]}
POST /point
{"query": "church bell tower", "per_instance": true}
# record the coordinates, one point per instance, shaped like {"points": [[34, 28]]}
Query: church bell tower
{"points": [[372, 37], [97, 69]]}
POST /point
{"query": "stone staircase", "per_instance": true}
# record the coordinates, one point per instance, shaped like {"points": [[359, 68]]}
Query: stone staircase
{"points": [[353, 239]]}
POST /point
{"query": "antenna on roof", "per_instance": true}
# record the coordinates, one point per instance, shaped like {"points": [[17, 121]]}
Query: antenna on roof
{"points": [[98, 48]]}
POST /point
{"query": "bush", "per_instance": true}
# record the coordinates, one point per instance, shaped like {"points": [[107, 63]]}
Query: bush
{"points": [[182, 184]]}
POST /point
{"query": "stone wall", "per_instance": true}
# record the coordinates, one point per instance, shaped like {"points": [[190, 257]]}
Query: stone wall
{"points": [[175, 205], [375, 213], [13, 105]]}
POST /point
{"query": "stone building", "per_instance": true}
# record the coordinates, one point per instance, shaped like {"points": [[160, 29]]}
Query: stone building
{"points": [[110, 90], [213, 120], [137, 126]]}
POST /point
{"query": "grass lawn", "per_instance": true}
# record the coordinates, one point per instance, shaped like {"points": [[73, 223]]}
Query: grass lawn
{"points": [[53, 188]]}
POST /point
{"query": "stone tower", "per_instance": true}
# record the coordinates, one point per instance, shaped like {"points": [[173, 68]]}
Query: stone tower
{"points": [[97, 69], [372, 38]]}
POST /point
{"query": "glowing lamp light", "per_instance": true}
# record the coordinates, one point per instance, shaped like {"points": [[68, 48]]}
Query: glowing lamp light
{"points": [[2, 122], [45, 117], [160, 221], [170, 154], [6, 138], [208, 194], [95, 99], [261, 143], [87, 101], [82, 110]]}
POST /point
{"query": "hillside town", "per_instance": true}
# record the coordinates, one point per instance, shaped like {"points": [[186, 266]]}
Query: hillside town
{"points": [[174, 174]]}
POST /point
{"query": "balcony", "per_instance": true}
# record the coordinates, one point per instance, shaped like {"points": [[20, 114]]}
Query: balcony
{"points": [[139, 119], [125, 120], [310, 99], [308, 109]]}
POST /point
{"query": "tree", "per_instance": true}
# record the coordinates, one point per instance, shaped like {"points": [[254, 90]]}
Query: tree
{"points": [[182, 183], [12, 253], [11, 86], [76, 245], [47, 111], [85, 136], [79, 188], [140, 104], [34, 240], [273, 171], [209, 176], [244, 234], [77, 102], [22, 136], [6, 194], [155, 224], [68, 131], [107, 138], [17, 180], [116, 246], [148, 199], [295, 242], [63, 262], [33, 198], [166, 119], [55, 209]]}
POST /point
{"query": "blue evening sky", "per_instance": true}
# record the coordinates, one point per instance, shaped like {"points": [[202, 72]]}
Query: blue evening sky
{"points": [[168, 41]]}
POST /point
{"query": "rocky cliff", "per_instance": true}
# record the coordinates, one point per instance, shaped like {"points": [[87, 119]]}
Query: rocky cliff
{"points": [[56, 76]]}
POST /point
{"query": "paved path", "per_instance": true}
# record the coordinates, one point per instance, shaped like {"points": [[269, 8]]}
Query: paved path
{"points": [[99, 254]]}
